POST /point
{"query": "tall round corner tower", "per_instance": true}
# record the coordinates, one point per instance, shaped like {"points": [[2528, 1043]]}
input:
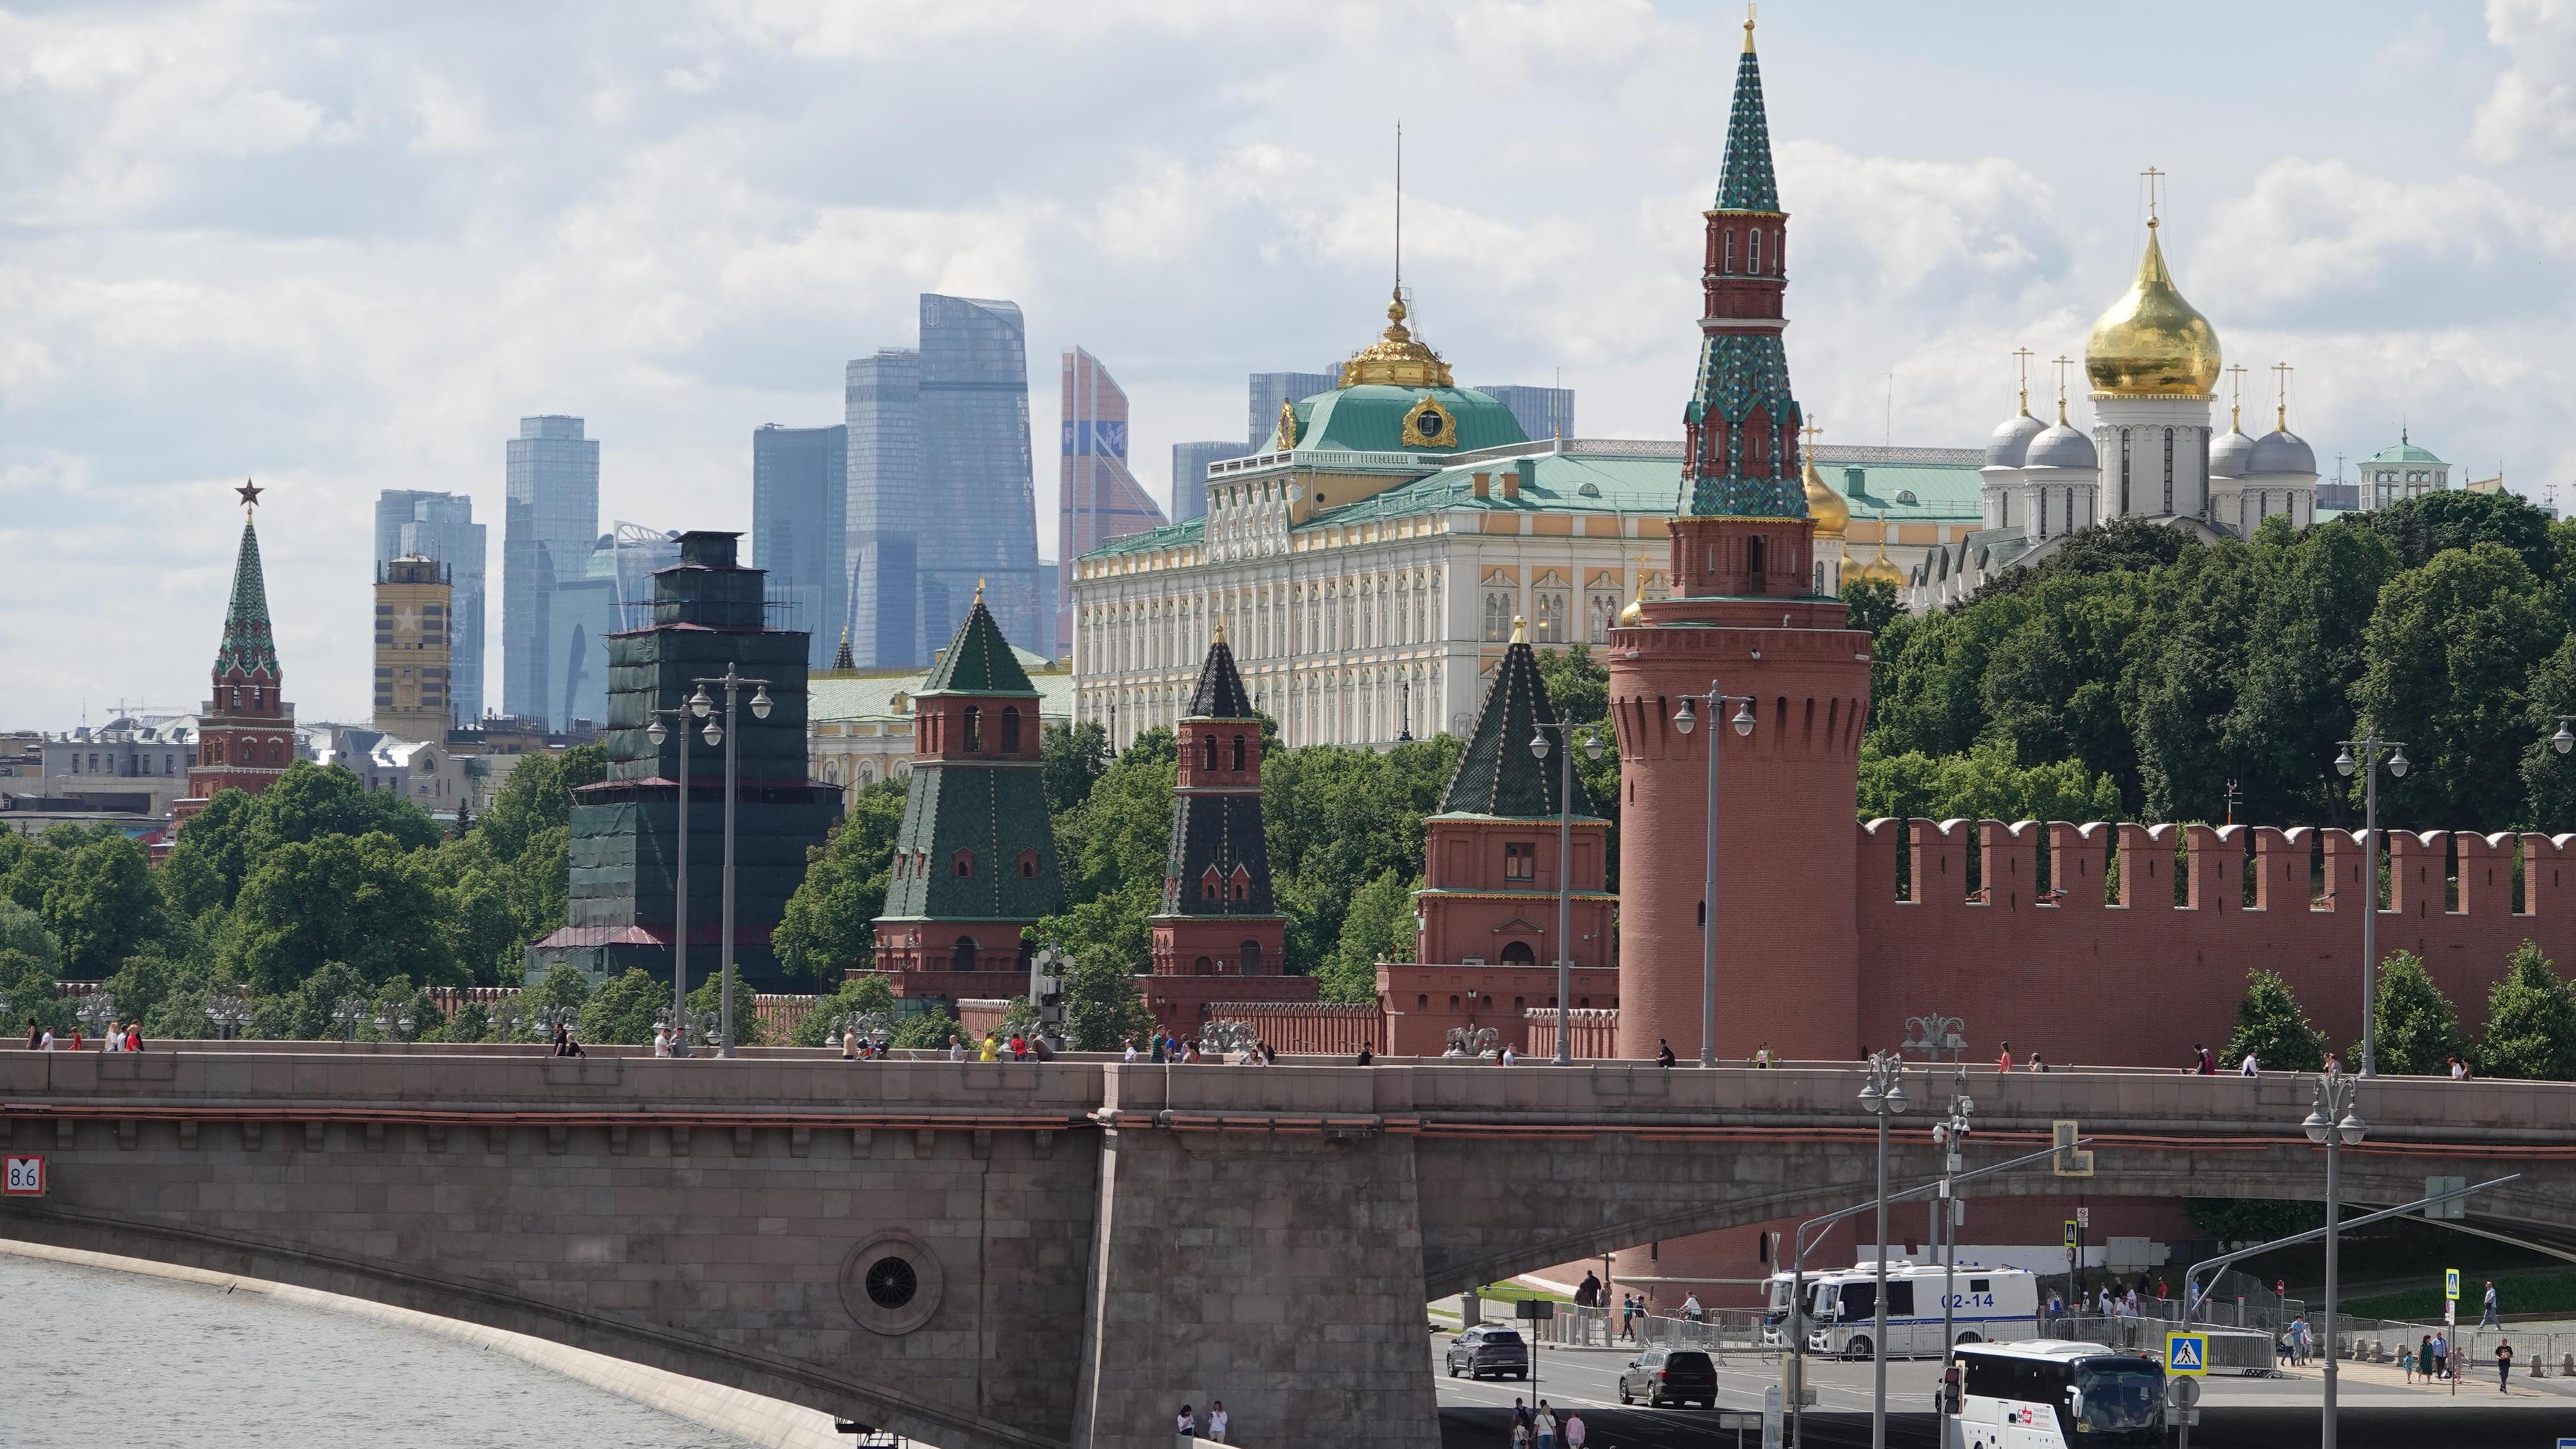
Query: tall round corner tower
{"points": [[1743, 614]]}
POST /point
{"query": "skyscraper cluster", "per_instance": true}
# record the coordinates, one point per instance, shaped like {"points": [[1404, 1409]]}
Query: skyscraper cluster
{"points": [[440, 527]]}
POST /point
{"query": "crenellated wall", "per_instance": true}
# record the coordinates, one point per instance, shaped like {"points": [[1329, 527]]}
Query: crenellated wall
{"points": [[2136, 974]]}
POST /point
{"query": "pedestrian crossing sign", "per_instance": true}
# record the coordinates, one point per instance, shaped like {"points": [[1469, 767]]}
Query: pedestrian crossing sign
{"points": [[2187, 1353], [2451, 1284]]}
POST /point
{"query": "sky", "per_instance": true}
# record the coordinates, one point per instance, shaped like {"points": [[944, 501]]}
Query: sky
{"points": [[343, 248]]}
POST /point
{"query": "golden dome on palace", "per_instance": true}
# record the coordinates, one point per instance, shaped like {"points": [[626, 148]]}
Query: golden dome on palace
{"points": [[1396, 359], [2152, 342], [1635, 614], [1824, 505]]}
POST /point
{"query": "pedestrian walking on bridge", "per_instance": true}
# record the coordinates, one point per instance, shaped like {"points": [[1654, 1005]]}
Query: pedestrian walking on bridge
{"points": [[2504, 1365]]}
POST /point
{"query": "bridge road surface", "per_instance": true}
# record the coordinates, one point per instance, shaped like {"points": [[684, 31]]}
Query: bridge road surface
{"points": [[2237, 1414]]}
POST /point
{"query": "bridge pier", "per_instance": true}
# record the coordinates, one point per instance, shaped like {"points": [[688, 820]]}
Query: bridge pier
{"points": [[1277, 1270]]}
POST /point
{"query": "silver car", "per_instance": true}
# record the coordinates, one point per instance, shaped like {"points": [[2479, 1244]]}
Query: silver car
{"points": [[1493, 1350]]}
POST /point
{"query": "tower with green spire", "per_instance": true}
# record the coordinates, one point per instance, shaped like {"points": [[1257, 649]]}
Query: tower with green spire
{"points": [[246, 731], [974, 860], [1740, 466]]}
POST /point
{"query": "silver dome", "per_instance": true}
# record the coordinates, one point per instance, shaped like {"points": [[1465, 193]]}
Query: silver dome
{"points": [[2005, 446], [2230, 454], [2283, 451], [2061, 447]]}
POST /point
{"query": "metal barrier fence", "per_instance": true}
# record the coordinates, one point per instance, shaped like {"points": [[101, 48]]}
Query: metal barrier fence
{"points": [[1719, 1331]]}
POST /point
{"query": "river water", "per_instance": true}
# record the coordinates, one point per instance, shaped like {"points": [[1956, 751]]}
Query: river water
{"points": [[100, 1357]]}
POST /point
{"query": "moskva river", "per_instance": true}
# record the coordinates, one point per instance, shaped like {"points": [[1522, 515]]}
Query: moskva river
{"points": [[100, 1357]]}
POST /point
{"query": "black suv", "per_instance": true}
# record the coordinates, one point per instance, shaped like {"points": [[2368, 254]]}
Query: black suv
{"points": [[1489, 1350], [1669, 1376]]}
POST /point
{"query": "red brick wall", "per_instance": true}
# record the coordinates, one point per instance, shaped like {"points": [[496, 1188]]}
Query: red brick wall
{"points": [[1329, 1028], [1423, 1001], [1595, 1032]]}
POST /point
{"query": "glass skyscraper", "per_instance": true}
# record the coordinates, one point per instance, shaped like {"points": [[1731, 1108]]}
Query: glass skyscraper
{"points": [[941, 497], [549, 527], [1189, 475], [1097, 498], [1271, 391], [441, 526], [1542, 412], [799, 530]]}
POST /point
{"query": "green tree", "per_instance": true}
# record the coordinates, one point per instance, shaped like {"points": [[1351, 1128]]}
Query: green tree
{"points": [[472, 1022], [1112, 847], [1871, 603], [538, 796], [2531, 1021], [311, 1011], [927, 1030], [2270, 1025], [105, 906], [1339, 818], [1102, 1005], [851, 997], [2305, 657], [624, 1010], [2424, 527], [1983, 784], [1377, 927], [746, 1015], [149, 979], [829, 924], [364, 902], [1578, 683], [2419, 1028], [24, 931], [2449, 662], [2191, 670], [1072, 759], [33, 993]]}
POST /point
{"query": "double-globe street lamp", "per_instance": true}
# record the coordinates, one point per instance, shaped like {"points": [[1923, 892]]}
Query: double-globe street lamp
{"points": [[658, 732], [1951, 1137], [2333, 1123], [1884, 1096], [229, 1012], [729, 734], [1716, 699], [1539, 746], [2374, 753]]}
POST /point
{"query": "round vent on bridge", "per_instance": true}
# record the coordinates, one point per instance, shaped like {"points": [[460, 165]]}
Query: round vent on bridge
{"points": [[891, 1283]]}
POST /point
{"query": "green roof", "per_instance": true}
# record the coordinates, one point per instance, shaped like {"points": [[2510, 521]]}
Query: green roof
{"points": [[1174, 535], [2403, 452], [979, 660], [870, 694], [249, 644], [1744, 180], [1498, 776], [1370, 419], [1907, 492], [1607, 483]]}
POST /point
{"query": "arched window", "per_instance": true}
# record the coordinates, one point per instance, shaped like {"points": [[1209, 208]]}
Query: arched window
{"points": [[1028, 865], [974, 729], [1251, 958], [962, 864], [1753, 250], [1518, 953], [1241, 886], [1207, 752], [1210, 884], [1205, 966], [1238, 752], [1730, 251], [963, 957], [1010, 729]]}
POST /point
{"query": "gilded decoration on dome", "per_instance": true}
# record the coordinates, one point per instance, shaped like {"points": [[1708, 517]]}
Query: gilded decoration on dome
{"points": [[1429, 425], [1287, 426], [1396, 359], [2151, 342]]}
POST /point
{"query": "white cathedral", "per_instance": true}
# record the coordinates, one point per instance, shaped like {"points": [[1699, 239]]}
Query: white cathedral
{"points": [[2154, 364]]}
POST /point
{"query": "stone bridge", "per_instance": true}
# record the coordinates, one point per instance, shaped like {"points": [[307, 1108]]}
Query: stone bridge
{"points": [[1005, 1257]]}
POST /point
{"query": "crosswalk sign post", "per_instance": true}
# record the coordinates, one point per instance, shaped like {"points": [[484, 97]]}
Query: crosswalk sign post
{"points": [[2187, 1354]]}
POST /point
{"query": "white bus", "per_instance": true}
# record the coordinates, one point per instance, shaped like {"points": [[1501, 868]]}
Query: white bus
{"points": [[2051, 1393], [1986, 1305]]}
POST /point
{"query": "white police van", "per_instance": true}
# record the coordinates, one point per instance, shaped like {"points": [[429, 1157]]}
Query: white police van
{"points": [[2056, 1394], [1986, 1305]]}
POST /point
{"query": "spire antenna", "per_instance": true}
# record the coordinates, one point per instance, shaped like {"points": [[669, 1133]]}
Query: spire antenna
{"points": [[1399, 208], [1748, 26], [2022, 357]]}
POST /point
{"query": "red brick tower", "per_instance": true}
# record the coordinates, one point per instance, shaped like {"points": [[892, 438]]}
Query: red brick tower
{"points": [[246, 732], [1741, 614]]}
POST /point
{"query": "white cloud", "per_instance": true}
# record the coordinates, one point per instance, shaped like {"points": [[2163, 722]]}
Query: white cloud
{"points": [[2533, 106]]}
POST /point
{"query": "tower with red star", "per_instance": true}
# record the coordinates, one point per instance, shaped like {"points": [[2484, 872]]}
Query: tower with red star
{"points": [[246, 731]]}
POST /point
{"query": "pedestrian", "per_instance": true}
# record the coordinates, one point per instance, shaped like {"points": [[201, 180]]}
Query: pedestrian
{"points": [[561, 1036], [992, 1050], [2249, 1067], [956, 1048], [2003, 1060], [1186, 1423], [1520, 1417], [114, 1041], [2504, 1364], [1690, 1307], [2424, 1357], [850, 1044], [1663, 1052], [1587, 1294], [1763, 1059], [2202, 1063], [78, 1044], [46, 1044], [1019, 1047], [2036, 1065], [2306, 1338], [1216, 1420], [2459, 1069], [1367, 1054], [35, 1034], [2334, 1065], [1545, 1424], [661, 1040], [1628, 1315], [2489, 1318], [2441, 1354], [134, 1035], [2056, 1304], [572, 1044], [2406, 1361], [2161, 1294], [1506, 1056], [1573, 1430], [1127, 1049], [1520, 1432]]}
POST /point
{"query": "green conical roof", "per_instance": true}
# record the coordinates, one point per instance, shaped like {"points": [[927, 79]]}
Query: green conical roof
{"points": [[979, 660], [1744, 181], [1498, 775], [248, 646]]}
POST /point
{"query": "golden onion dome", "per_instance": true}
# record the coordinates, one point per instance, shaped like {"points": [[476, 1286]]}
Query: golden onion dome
{"points": [[1882, 569], [1635, 614], [2152, 342], [1824, 505], [1396, 359]]}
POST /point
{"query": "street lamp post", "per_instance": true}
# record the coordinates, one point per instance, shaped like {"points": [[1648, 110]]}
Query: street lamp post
{"points": [[395, 1020], [2374, 752], [229, 1012], [346, 1015], [1404, 729], [1538, 746], [1716, 699], [1884, 1096], [729, 734], [657, 732], [98, 1009], [1935, 1034], [1951, 1136], [2334, 1123]]}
